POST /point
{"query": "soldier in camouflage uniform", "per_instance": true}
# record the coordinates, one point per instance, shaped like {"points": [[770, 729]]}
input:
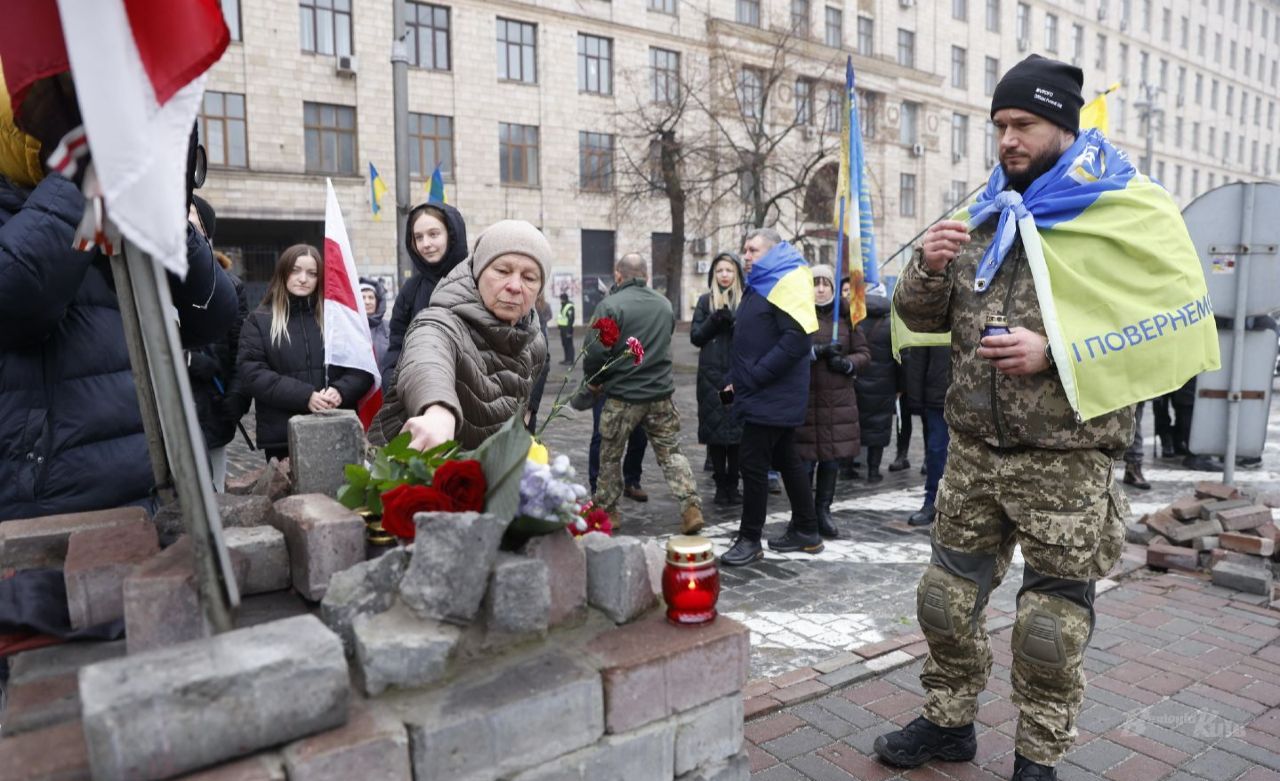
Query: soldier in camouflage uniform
{"points": [[639, 393], [1021, 469]]}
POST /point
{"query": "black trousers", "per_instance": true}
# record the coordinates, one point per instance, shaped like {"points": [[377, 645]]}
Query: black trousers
{"points": [[566, 341], [770, 447], [724, 463]]}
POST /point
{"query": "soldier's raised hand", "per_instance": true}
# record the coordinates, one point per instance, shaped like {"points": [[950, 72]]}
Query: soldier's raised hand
{"points": [[942, 242]]}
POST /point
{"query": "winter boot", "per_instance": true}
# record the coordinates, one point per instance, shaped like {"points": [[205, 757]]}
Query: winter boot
{"points": [[1026, 770], [691, 520], [900, 461], [874, 454], [1133, 476], [1167, 450], [922, 740], [822, 496], [722, 492], [848, 469]]}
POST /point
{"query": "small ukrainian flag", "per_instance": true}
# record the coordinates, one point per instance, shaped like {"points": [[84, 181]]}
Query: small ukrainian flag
{"points": [[435, 188], [377, 189]]}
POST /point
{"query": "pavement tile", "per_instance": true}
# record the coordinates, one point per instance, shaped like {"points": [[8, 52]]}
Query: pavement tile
{"points": [[855, 763], [1152, 748], [771, 727], [992, 744], [795, 676], [903, 702], [1164, 683], [997, 712], [760, 759], [1260, 774], [1216, 763], [858, 716], [758, 705], [1099, 755], [1139, 768], [870, 692], [793, 744], [1251, 752], [799, 691], [815, 768], [778, 773], [824, 720]]}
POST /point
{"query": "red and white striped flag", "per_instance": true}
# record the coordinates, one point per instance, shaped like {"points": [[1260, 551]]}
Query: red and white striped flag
{"points": [[347, 342]]}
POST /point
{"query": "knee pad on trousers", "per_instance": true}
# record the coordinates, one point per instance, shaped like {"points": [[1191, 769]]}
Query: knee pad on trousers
{"points": [[954, 589], [1050, 631]]}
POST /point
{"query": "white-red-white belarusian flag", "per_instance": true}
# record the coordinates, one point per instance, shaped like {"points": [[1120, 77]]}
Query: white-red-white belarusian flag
{"points": [[138, 67], [347, 342]]}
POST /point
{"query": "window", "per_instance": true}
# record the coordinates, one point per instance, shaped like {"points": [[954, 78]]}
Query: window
{"points": [[518, 154], [1077, 44], [430, 144], [959, 67], [1166, 25], [990, 76], [1024, 22], [1213, 140], [804, 102], [1144, 67], [1217, 47], [1177, 179], [222, 129], [325, 26], [993, 15], [835, 27], [595, 161], [907, 195], [1182, 83], [1195, 136], [960, 9], [1160, 172], [1226, 144], [1200, 41], [906, 48], [1145, 19], [1177, 131], [1050, 32], [1120, 114], [959, 136], [595, 64], [959, 189], [1195, 182], [1211, 180], [1126, 13], [868, 112], [748, 12], [517, 51], [990, 143], [1164, 74], [663, 6], [1213, 95], [909, 124], [1231, 61], [1184, 33], [428, 35], [1101, 61], [835, 109], [1271, 115], [1253, 154], [665, 65], [866, 36], [1124, 60], [1231, 100], [330, 138], [800, 18], [1199, 89], [231, 15], [750, 92]]}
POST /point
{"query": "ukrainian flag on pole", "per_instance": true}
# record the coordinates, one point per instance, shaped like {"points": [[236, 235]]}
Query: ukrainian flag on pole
{"points": [[853, 209], [435, 187], [1094, 113], [377, 189]]}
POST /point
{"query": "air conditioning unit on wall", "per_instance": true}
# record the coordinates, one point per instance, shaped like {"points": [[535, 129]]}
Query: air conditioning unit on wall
{"points": [[917, 150], [698, 246], [347, 65]]}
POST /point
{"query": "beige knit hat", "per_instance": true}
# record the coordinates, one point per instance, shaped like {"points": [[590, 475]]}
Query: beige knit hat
{"points": [[511, 236], [823, 271]]}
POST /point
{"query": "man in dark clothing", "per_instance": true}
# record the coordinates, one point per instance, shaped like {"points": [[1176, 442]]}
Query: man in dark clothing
{"points": [[769, 383], [638, 392], [564, 323], [926, 373]]}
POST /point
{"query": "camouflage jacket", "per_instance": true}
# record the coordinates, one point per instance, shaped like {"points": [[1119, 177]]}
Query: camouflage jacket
{"points": [[1005, 411]]}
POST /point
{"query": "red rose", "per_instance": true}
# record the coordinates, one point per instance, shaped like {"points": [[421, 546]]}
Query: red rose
{"points": [[637, 349], [401, 503], [607, 328], [598, 521], [463, 482]]}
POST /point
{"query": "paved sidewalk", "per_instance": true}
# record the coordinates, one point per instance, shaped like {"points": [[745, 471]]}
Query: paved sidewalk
{"points": [[1184, 683]]}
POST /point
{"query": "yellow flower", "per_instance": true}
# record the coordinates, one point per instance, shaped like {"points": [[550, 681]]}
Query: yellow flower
{"points": [[538, 453]]}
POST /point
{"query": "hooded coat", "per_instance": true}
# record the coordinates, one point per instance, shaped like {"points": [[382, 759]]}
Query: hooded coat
{"points": [[379, 328], [459, 355], [215, 383], [712, 333], [831, 427], [926, 375], [877, 385], [415, 294]]}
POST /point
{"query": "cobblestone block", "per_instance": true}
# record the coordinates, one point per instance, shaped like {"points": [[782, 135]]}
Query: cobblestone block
{"points": [[320, 447], [1211, 508], [42, 542], [1268, 531], [185, 707], [643, 755], [1248, 543], [519, 597], [449, 571], [1256, 579], [1207, 489], [505, 720], [708, 734], [1171, 557], [259, 558], [399, 649], [1244, 518], [617, 577], [368, 588], [1182, 532], [737, 768], [372, 745], [323, 538], [54, 753], [267, 766], [57, 660], [98, 560], [40, 704], [271, 480], [1235, 557], [1205, 543], [652, 669], [1138, 533], [655, 556], [1186, 508], [563, 556], [234, 510], [161, 603]]}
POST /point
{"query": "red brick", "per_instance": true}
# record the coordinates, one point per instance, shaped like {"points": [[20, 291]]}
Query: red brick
{"points": [[756, 688], [1260, 774], [848, 759], [870, 692], [652, 668], [897, 704], [1139, 768], [992, 744], [1247, 543], [1244, 518], [372, 744], [1123, 689], [887, 645], [1207, 489], [917, 649], [1229, 680], [997, 712], [1269, 531], [271, 480], [770, 727], [42, 703], [799, 691], [795, 676], [760, 759], [55, 753], [259, 767], [1268, 722], [42, 542], [1165, 683], [565, 557], [1169, 557], [1264, 692], [758, 706], [1153, 619], [323, 538], [161, 604], [1181, 532], [1185, 508], [1147, 746], [98, 560]]}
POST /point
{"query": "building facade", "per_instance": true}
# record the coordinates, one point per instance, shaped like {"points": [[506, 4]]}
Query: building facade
{"points": [[540, 112]]}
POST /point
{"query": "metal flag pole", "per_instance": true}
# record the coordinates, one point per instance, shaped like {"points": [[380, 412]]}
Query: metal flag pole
{"points": [[1234, 396]]}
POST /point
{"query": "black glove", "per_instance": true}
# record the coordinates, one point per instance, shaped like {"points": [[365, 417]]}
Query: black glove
{"points": [[839, 364], [824, 351], [723, 317]]}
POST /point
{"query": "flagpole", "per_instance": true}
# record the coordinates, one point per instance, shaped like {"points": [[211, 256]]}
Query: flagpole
{"points": [[911, 242], [840, 243]]}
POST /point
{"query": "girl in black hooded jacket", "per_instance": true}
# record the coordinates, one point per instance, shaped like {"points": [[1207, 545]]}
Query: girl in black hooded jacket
{"points": [[282, 352]]}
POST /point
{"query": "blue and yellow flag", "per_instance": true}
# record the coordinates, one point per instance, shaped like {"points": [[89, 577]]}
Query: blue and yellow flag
{"points": [[783, 277], [1094, 113], [377, 189], [1119, 282], [435, 187], [853, 208]]}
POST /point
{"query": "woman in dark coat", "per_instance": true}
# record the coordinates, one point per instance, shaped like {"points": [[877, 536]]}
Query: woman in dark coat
{"points": [[712, 333], [831, 427], [926, 376], [877, 386], [374, 297], [282, 352]]}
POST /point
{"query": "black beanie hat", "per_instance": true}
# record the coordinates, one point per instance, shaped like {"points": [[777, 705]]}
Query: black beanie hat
{"points": [[1046, 88], [208, 218]]}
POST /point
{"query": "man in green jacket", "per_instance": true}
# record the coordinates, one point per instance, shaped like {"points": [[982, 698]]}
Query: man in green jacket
{"points": [[638, 392]]}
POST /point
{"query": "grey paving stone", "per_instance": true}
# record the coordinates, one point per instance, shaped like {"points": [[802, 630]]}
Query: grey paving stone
{"points": [[1099, 755], [778, 773], [1217, 764], [793, 744], [816, 768], [824, 720], [858, 716], [1251, 752], [1100, 718], [1207, 706]]}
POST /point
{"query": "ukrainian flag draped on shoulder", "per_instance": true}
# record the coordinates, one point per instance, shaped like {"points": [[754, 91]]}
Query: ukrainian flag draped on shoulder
{"points": [[1117, 277], [783, 277]]}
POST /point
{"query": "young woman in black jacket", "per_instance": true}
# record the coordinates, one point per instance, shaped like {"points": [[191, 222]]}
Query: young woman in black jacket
{"points": [[282, 352]]}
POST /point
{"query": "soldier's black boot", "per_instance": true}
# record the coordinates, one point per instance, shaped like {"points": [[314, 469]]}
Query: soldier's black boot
{"points": [[822, 496], [1026, 770], [922, 740]]}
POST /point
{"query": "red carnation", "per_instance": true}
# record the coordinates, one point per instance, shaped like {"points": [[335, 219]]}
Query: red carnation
{"points": [[598, 521], [607, 328], [401, 503], [463, 482], [637, 349]]}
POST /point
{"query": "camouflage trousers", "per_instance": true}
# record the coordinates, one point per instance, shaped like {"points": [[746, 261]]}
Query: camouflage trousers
{"points": [[1063, 508], [661, 422]]}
